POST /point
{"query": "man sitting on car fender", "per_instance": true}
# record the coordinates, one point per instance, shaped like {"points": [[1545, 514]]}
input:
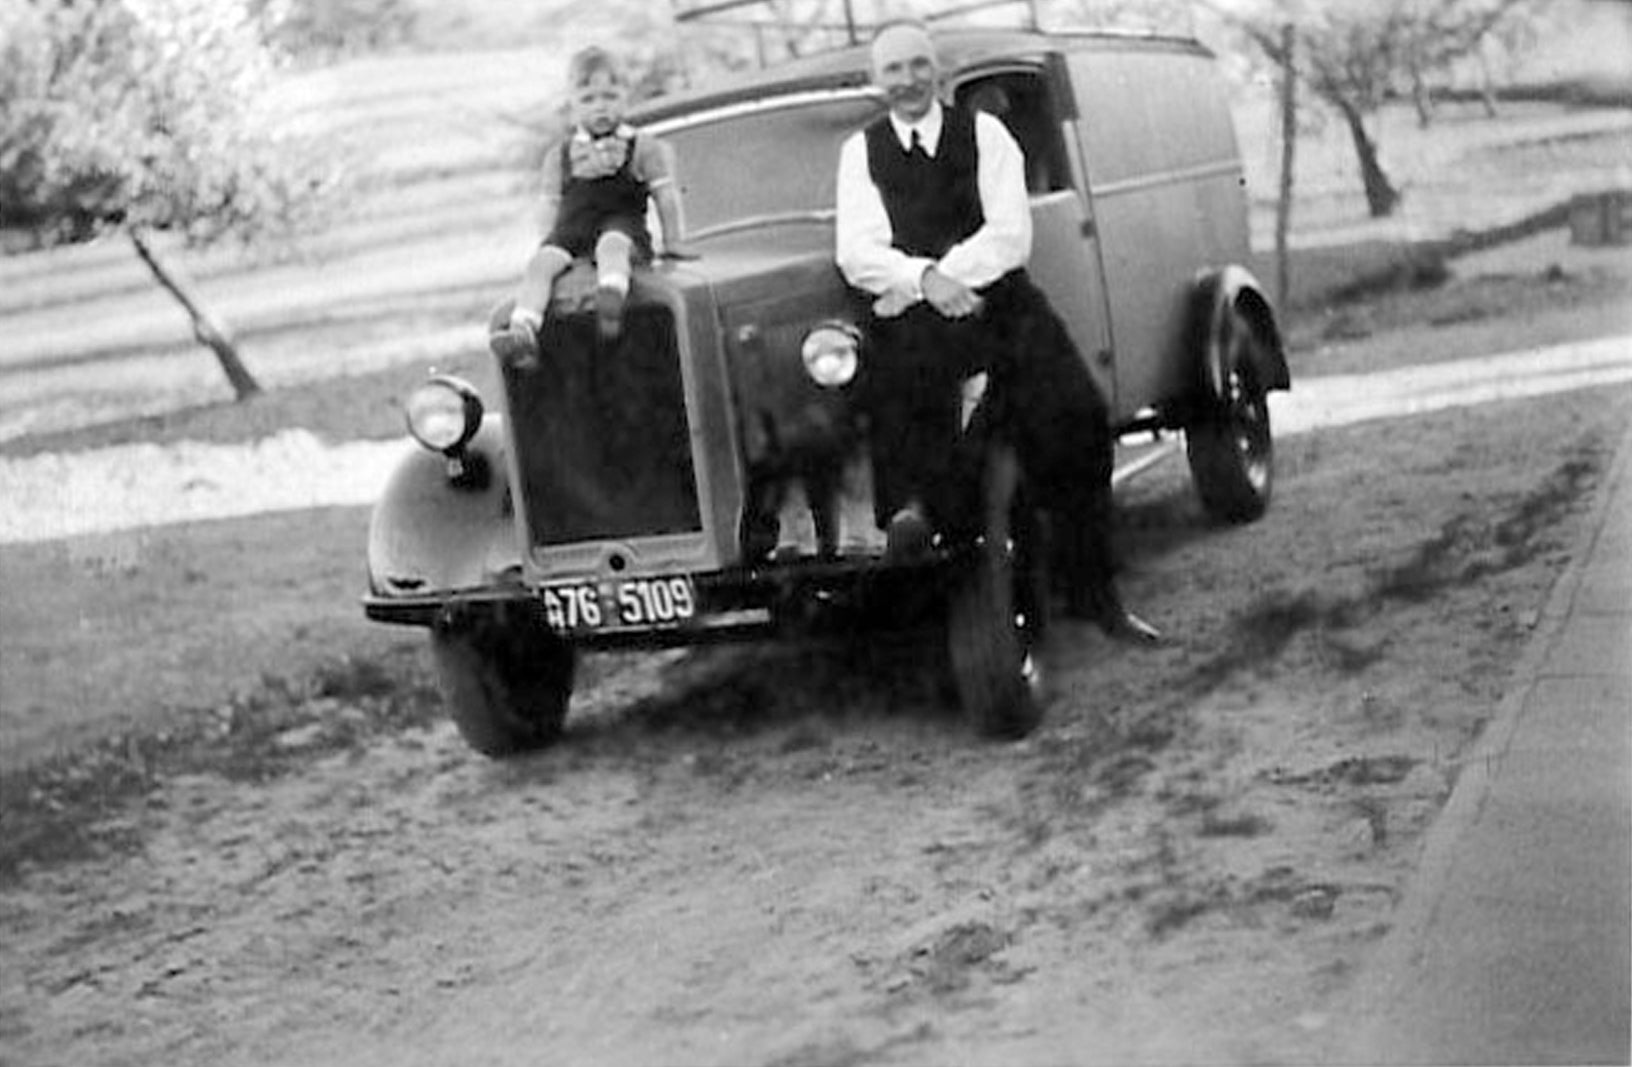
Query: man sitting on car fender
{"points": [[933, 222]]}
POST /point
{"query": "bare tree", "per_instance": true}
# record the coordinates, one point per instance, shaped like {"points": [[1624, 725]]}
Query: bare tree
{"points": [[1440, 33], [148, 116], [1356, 55]]}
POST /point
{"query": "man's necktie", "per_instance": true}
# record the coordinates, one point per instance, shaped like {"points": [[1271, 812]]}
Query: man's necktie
{"points": [[917, 151]]}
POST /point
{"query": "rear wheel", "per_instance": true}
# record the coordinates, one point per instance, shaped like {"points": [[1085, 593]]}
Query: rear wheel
{"points": [[506, 687], [999, 609], [1231, 450]]}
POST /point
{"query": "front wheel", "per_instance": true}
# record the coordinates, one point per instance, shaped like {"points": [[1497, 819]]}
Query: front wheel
{"points": [[999, 609], [1230, 447], [506, 687]]}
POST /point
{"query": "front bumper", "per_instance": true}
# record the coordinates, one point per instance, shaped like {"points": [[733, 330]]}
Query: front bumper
{"points": [[806, 596]]}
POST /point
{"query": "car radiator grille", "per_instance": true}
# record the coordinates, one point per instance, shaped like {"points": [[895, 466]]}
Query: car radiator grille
{"points": [[601, 432]]}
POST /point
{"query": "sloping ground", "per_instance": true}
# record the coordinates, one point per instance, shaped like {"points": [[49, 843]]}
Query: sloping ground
{"points": [[441, 223], [434, 146], [1467, 171], [438, 225]]}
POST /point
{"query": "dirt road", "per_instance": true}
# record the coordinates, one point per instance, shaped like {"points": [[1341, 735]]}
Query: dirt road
{"points": [[799, 855]]}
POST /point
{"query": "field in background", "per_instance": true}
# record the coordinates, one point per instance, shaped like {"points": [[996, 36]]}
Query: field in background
{"points": [[441, 221]]}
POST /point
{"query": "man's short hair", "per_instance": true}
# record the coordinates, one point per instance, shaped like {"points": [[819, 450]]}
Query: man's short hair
{"points": [[917, 26], [588, 62]]}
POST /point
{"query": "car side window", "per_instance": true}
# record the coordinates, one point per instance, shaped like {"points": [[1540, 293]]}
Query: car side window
{"points": [[1021, 103]]}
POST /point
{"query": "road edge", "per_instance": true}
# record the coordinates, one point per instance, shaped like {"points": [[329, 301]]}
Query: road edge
{"points": [[1380, 982]]}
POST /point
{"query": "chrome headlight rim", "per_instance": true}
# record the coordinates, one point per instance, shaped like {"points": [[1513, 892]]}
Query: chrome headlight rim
{"points": [[831, 353], [443, 413]]}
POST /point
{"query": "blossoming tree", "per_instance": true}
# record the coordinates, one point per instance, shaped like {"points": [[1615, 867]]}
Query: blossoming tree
{"points": [[147, 116]]}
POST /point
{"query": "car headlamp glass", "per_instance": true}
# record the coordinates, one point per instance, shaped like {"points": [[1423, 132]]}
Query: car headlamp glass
{"points": [[831, 354], [444, 413]]}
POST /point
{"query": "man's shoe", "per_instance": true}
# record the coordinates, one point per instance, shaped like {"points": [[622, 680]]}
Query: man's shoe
{"points": [[1124, 625], [516, 346], [1103, 607], [609, 301], [908, 536]]}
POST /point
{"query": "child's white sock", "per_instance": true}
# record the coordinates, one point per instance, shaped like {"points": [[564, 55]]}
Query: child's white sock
{"points": [[615, 280]]}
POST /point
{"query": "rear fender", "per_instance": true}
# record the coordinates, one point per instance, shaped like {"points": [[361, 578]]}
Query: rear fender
{"points": [[428, 535], [1217, 291]]}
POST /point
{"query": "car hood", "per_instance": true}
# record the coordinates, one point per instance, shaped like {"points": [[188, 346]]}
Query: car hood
{"points": [[761, 264]]}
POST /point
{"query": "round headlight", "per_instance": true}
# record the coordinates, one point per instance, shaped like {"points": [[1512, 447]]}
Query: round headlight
{"points": [[444, 413], [830, 353]]}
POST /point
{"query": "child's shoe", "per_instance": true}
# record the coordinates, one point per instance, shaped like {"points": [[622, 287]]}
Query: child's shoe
{"points": [[516, 346], [609, 301]]}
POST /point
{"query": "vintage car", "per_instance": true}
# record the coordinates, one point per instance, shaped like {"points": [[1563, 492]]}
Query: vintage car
{"points": [[708, 478]]}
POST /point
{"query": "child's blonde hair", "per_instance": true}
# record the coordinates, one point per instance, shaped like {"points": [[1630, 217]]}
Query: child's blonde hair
{"points": [[588, 62]]}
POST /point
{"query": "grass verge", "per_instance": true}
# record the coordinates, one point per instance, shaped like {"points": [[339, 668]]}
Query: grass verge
{"points": [[63, 809]]}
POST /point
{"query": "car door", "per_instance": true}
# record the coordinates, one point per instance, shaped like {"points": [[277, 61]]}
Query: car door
{"points": [[1035, 103]]}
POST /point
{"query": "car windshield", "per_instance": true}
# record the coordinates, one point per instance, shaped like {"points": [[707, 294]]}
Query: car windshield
{"points": [[764, 160]]}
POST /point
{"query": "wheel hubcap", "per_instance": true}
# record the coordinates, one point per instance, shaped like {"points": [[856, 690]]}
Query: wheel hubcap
{"points": [[1250, 421]]}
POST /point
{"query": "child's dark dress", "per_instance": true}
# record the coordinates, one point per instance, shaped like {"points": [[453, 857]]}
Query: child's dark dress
{"points": [[603, 188]]}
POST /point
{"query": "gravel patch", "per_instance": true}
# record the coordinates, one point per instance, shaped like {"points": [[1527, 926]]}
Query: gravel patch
{"points": [[128, 486]]}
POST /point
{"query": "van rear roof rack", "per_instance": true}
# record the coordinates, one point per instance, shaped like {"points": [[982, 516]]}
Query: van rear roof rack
{"points": [[851, 31], [855, 30], [805, 38]]}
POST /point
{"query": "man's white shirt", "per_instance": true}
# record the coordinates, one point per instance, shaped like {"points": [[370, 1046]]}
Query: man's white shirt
{"points": [[863, 234]]}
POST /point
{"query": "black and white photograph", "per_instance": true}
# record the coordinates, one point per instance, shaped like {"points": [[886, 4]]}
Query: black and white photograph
{"points": [[815, 533]]}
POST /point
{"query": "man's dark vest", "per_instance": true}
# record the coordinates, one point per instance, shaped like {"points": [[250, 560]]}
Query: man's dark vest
{"points": [[932, 203]]}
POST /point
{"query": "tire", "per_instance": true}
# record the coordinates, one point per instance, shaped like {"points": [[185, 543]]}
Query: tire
{"points": [[1230, 447], [506, 688], [999, 610]]}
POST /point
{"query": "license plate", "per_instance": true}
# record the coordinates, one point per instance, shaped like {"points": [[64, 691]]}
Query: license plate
{"points": [[619, 604]]}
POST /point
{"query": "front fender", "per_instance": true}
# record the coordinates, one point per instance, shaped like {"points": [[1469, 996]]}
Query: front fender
{"points": [[1216, 292], [427, 535]]}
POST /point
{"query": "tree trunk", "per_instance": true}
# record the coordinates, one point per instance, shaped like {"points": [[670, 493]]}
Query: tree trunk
{"points": [[1487, 83], [1421, 97], [1381, 196], [206, 328], [1289, 144]]}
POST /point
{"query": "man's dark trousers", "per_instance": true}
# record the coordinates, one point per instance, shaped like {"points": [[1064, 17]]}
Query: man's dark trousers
{"points": [[1040, 396]]}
